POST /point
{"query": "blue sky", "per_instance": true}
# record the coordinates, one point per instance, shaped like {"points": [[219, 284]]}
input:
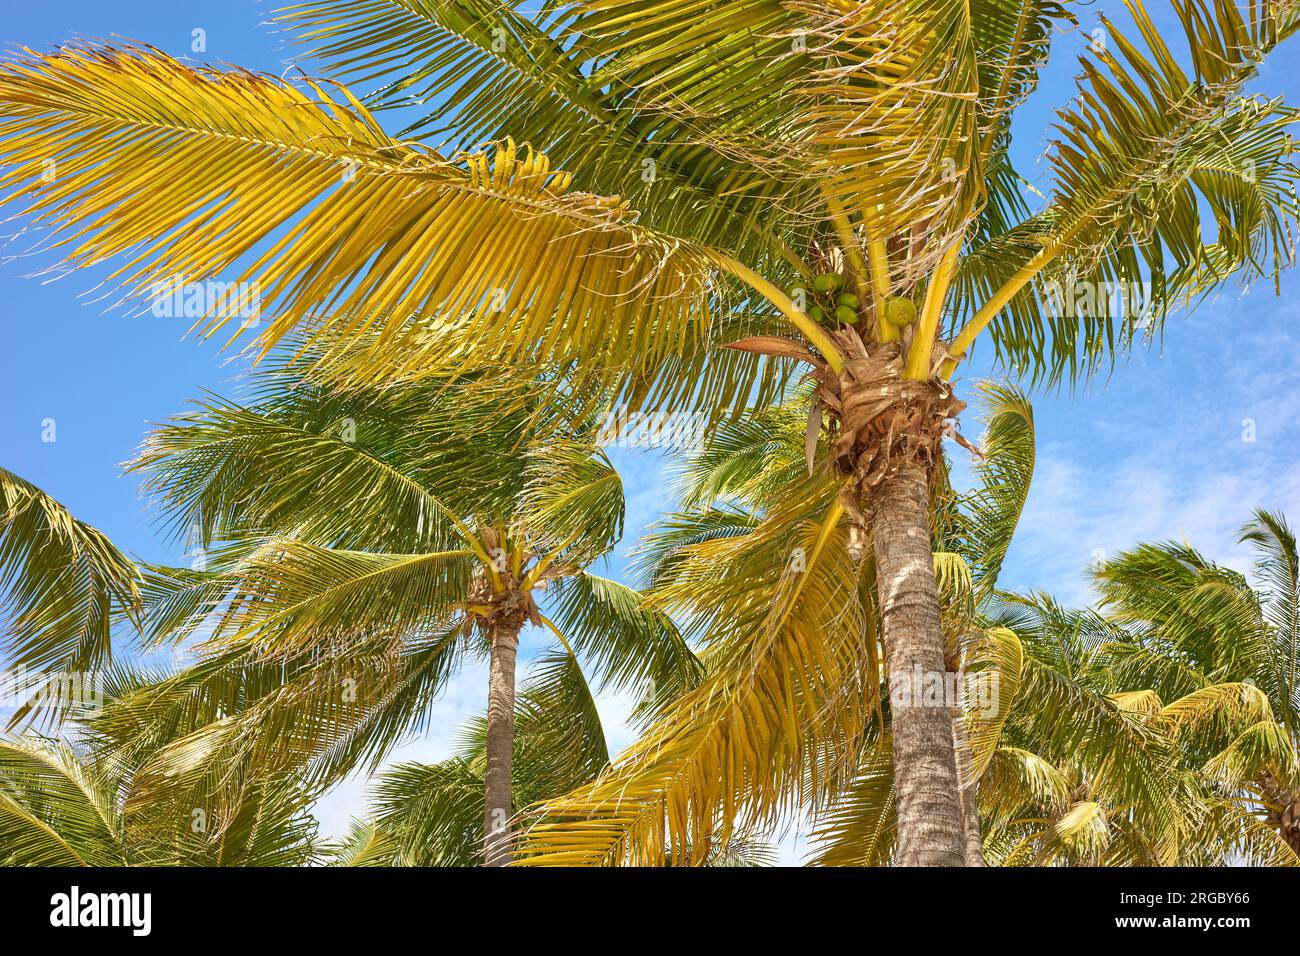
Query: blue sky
{"points": [[1155, 451]]}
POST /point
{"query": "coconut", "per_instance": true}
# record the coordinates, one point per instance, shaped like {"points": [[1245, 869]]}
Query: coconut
{"points": [[827, 282], [900, 311]]}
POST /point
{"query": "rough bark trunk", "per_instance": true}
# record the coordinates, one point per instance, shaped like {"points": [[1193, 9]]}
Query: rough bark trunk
{"points": [[972, 844], [1292, 837], [498, 805], [1287, 818], [925, 769]]}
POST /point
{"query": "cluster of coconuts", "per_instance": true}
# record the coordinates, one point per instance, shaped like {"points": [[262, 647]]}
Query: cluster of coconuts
{"points": [[831, 306]]}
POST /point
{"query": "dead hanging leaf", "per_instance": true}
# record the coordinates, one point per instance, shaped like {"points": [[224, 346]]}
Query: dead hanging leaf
{"points": [[950, 431], [774, 346], [812, 431]]}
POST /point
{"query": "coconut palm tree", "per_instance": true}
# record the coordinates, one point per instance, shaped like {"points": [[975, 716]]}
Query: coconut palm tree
{"points": [[62, 585], [1128, 779], [1135, 775], [431, 814], [735, 563], [1111, 784], [68, 802], [731, 175], [354, 545], [1190, 625]]}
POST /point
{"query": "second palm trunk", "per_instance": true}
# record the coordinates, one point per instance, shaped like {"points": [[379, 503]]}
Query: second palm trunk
{"points": [[498, 804]]}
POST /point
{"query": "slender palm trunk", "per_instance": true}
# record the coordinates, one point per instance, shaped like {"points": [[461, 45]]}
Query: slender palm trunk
{"points": [[925, 768], [972, 845], [498, 805]]}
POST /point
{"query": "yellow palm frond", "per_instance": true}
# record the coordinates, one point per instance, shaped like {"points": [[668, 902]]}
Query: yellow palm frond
{"points": [[996, 659], [860, 828], [334, 224], [785, 700], [892, 110]]}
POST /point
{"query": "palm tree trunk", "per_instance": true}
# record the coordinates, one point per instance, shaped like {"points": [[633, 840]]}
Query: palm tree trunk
{"points": [[972, 844], [925, 768], [1287, 818], [498, 804]]}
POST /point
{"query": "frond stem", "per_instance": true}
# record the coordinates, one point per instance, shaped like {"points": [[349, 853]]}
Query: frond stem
{"points": [[804, 323], [927, 326]]}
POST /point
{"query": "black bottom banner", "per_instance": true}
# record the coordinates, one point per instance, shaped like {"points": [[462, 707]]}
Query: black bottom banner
{"points": [[617, 907]]}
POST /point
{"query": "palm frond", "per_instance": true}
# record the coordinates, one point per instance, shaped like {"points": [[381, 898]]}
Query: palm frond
{"points": [[54, 810], [770, 719], [991, 512], [62, 583], [376, 233], [365, 844]]}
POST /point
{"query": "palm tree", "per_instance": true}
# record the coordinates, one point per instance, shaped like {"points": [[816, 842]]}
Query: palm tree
{"points": [[1111, 784], [356, 544], [854, 154], [1191, 625], [1124, 780], [68, 802], [62, 586], [1149, 766], [795, 664], [431, 814]]}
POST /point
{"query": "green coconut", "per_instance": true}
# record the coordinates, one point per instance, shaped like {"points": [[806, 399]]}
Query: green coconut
{"points": [[849, 299], [827, 282], [846, 316], [818, 313], [900, 311]]}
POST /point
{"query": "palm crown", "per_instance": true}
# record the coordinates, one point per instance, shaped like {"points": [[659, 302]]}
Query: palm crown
{"points": [[361, 543]]}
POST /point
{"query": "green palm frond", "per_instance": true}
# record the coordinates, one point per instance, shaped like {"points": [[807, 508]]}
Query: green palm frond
{"points": [[432, 814], [433, 811], [666, 546], [1194, 610], [624, 643], [1163, 176], [1278, 569], [55, 810], [66, 804], [991, 512], [227, 468], [496, 70], [207, 733], [1016, 780], [746, 462], [1261, 748], [859, 829], [62, 584], [270, 827], [572, 502], [292, 595]]}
